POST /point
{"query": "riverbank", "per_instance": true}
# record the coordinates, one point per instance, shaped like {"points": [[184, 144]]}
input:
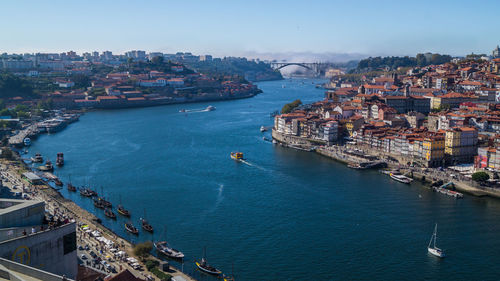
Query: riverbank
{"points": [[351, 157], [56, 203]]}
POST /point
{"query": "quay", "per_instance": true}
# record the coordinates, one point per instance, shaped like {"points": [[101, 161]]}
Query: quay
{"points": [[18, 139], [354, 156], [100, 239]]}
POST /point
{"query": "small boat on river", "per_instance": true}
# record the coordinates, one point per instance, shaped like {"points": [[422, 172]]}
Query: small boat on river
{"points": [[400, 178], [163, 248], [48, 167], [131, 228], [60, 159], [122, 211], [431, 248], [210, 108], [71, 187], [238, 156], [98, 203], [37, 159], [109, 213], [58, 182], [205, 267], [146, 226]]}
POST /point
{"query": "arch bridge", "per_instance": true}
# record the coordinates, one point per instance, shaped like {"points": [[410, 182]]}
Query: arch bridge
{"points": [[317, 67]]}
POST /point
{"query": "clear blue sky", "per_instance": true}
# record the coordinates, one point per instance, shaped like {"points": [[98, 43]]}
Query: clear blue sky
{"points": [[242, 27]]}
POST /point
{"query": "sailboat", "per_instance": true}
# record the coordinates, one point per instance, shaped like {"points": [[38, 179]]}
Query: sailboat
{"points": [[432, 249], [205, 267], [165, 249]]}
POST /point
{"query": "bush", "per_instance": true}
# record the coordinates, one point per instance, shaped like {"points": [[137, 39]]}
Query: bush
{"points": [[160, 274], [150, 264], [480, 176]]}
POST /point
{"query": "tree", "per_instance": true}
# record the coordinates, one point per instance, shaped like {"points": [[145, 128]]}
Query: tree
{"points": [[158, 60], [480, 177], [289, 107], [142, 250]]}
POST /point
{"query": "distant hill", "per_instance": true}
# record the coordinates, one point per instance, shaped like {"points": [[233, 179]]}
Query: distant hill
{"points": [[372, 63]]}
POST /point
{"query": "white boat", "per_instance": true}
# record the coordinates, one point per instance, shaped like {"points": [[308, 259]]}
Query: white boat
{"points": [[210, 108], [431, 248], [263, 129], [400, 178], [163, 248], [27, 142]]}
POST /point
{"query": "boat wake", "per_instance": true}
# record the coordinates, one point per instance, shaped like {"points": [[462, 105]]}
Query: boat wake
{"points": [[253, 165]]}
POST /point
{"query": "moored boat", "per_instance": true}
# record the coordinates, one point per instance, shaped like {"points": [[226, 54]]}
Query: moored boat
{"points": [[400, 178], [109, 213], [238, 156], [27, 141], [205, 267], [60, 159], [131, 228], [48, 167], [58, 182], [71, 187], [37, 159], [146, 226], [122, 211], [263, 129], [98, 203], [163, 248]]}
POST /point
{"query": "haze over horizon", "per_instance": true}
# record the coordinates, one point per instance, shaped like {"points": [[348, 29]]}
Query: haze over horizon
{"points": [[317, 30]]}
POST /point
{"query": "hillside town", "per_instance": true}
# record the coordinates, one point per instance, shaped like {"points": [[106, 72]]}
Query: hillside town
{"points": [[437, 116], [106, 80]]}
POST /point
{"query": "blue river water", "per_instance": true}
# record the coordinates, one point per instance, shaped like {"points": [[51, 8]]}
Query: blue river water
{"points": [[284, 215]]}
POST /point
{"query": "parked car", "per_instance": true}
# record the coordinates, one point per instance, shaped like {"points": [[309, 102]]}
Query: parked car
{"points": [[84, 257]]}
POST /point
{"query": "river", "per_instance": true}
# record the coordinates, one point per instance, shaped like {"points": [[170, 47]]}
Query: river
{"points": [[283, 215]]}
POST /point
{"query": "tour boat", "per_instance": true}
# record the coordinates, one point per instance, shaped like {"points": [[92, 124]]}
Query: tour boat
{"points": [[122, 211], [163, 248], [433, 249], [182, 110], [37, 159], [400, 178], [27, 142], [109, 213], [131, 228], [263, 129], [60, 159], [146, 226], [205, 267], [210, 108], [238, 156]]}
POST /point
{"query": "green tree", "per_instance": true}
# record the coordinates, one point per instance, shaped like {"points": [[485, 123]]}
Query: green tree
{"points": [[289, 107], [158, 60], [142, 250], [480, 176]]}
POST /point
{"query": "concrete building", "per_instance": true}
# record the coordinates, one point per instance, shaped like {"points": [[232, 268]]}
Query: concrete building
{"points": [[26, 240], [10, 270]]}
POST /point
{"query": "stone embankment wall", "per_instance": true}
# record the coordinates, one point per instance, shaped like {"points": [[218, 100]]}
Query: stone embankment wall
{"points": [[294, 141]]}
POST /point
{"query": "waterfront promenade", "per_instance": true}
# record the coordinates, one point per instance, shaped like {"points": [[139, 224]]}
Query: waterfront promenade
{"points": [[63, 208]]}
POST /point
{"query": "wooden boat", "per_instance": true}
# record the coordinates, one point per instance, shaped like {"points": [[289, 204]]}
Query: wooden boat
{"points": [[205, 267], [98, 204], [122, 211], [131, 228], [401, 178], [60, 159], [85, 192], [37, 159], [48, 167], [109, 213], [163, 248], [58, 182], [71, 187], [146, 226]]}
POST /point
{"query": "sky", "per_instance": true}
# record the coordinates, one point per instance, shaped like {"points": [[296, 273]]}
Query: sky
{"points": [[272, 28]]}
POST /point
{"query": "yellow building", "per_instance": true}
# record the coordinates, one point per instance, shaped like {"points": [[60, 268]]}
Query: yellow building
{"points": [[433, 150], [461, 144]]}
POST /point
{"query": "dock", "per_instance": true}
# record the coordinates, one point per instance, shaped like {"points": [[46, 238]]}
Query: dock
{"points": [[18, 139]]}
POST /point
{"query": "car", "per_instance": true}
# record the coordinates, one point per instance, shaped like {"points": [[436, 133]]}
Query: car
{"points": [[87, 247], [83, 257], [80, 248], [92, 254]]}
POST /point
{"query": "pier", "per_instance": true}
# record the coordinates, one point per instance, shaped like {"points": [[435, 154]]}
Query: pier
{"points": [[18, 139]]}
